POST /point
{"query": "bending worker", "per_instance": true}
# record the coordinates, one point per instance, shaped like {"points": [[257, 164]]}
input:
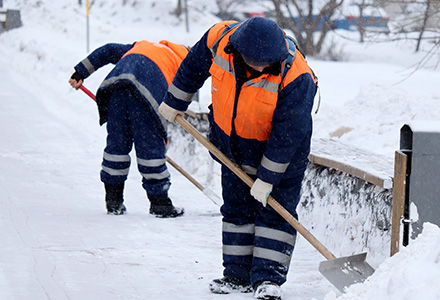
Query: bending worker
{"points": [[262, 121], [128, 100]]}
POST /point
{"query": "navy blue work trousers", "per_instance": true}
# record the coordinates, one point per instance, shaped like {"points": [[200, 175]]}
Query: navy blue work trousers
{"points": [[257, 242], [131, 121]]}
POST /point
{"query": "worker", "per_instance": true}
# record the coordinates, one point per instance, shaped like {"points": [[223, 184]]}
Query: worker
{"points": [[128, 100], [262, 121]]}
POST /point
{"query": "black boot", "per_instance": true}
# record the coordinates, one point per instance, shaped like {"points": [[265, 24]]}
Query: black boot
{"points": [[114, 199], [162, 207], [228, 285]]}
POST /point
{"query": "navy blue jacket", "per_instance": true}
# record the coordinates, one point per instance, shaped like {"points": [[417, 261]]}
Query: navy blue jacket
{"points": [[135, 71]]}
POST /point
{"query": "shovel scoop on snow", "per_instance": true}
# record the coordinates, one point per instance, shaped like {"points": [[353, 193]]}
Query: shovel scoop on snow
{"points": [[345, 271], [341, 272]]}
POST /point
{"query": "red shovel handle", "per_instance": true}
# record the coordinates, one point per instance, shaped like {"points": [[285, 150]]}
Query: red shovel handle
{"points": [[89, 93]]}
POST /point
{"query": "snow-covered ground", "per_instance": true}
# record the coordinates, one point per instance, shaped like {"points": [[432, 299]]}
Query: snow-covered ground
{"points": [[56, 240]]}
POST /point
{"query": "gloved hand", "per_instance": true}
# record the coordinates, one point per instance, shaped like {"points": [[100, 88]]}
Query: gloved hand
{"points": [[76, 80], [261, 190], [168, 112]]}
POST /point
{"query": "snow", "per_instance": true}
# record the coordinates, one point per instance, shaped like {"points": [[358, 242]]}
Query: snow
{"points": [[57, 241], [410, 274], [424, 126]]}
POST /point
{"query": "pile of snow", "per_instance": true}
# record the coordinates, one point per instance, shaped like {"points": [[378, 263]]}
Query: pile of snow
{"points": [[56, 237], [412, 273]]}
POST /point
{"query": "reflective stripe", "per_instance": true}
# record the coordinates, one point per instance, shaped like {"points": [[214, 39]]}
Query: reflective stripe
{"points": [[151, 162], [276, 235], [142, 89], [272, 255], [249, 169], [273, 166], [115, 172], [223, 63], [238, 250], [88, 65], [179, 94], [157, 176], [265, 85], [116, 157], [247, 228]]}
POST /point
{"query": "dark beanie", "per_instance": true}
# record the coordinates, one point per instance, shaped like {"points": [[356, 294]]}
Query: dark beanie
{"points": [[260, 40]]}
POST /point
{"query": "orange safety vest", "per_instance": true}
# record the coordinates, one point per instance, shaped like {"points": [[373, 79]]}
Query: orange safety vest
{"points": [[258, 97], [166, 55]]}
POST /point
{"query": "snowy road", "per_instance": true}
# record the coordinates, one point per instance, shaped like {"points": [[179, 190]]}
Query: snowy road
{"points": [[57, 241]]}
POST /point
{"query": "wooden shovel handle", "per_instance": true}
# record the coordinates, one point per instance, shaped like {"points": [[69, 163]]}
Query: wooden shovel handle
{"points": [[184, 173], [246, 179]]}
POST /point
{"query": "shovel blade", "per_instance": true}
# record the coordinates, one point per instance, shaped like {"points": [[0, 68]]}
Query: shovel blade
{"points": [[345, 271], [212, 196]]}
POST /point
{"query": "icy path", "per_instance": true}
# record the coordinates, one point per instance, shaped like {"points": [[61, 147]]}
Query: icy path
{"points": [[58, 243]]}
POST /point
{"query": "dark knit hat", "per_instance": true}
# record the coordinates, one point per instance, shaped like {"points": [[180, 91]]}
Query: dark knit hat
{"points": [[260, 41]]}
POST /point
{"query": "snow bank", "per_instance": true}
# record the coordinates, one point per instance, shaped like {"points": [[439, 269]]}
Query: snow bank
{"points": [[412, 273], [347, 214]]}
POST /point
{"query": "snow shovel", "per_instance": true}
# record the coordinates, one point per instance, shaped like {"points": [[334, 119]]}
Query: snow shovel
{"points": [[341, 272], [88, 92], [208, 192]]}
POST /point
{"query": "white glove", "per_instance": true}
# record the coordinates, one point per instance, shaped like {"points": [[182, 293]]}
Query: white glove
{"points": [[261, 190], [168, 112]]}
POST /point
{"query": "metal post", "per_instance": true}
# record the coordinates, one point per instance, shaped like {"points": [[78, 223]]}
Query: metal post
{"points": [[421, 142], [186, 16], [88, 34]]}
